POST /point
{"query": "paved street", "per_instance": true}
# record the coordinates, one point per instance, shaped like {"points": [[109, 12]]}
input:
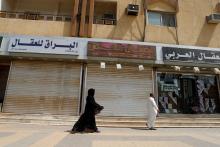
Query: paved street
{"points": [[21, 135]]}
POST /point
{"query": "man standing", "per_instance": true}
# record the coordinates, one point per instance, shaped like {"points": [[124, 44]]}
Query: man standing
{"points": [[152, 111]]}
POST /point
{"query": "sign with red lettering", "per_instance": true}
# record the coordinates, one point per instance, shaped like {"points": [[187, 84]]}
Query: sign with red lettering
{"points": [[121, 50]]}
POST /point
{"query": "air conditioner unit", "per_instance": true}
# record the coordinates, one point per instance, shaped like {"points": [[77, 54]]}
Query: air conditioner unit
{"points": [[213, 18], [132, 9]]}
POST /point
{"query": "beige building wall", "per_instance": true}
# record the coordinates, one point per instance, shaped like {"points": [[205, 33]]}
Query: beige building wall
{"points": [[160, 34], [127, 28], [161, 5], [33, 27], [133, 27], [192, 26]]}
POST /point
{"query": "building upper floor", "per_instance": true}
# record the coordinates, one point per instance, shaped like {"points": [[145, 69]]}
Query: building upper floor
{"points": [[184, 22]]}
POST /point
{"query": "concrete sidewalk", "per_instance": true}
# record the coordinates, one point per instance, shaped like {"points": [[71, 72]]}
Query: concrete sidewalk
{"points": [[23, 135]]}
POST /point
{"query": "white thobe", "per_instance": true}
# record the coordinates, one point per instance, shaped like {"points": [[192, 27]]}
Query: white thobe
{"points": [[152, 110]]}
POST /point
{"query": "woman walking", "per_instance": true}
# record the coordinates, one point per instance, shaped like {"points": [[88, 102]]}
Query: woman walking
{"points": [[87, 122]]}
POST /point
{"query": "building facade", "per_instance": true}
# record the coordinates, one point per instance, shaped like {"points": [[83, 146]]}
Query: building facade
{"points": [[53, 51]]}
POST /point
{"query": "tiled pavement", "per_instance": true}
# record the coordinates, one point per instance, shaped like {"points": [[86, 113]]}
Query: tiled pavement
{"points": [[21, 135]]}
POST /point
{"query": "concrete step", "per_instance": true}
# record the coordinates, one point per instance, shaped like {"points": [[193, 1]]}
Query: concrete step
{"points": [[160, 124], [158, 119], [162, 120]]}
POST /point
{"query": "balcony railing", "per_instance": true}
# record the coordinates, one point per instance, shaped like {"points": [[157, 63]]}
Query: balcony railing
{"points": [[105, 21], [34, 16]]}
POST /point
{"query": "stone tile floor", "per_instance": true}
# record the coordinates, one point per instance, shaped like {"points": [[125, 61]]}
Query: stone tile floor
{"points": [[27, 135]]}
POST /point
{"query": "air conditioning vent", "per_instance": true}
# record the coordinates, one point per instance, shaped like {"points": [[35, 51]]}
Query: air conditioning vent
{"points": [[132, 9], [213, 18]]}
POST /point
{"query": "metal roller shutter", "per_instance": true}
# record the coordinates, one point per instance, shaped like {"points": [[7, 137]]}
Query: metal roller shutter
{"points": [[43, 87], [122, 92]]}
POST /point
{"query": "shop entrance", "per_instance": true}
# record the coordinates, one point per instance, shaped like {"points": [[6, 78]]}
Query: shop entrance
{"points": [[53, 89], [4, 70], [188, 94], [122, 92]]}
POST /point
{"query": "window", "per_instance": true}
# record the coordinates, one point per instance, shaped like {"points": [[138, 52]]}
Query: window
{"points": [[162, 19]]}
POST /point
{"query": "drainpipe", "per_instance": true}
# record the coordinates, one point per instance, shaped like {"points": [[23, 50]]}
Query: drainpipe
{"points": [[145, 23], [177, 9]]}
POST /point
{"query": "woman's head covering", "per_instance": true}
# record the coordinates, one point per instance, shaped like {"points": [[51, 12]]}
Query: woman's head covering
{"points": [[91, 92]]}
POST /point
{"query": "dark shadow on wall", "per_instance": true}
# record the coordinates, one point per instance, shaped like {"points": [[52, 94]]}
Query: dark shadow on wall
{"points": [[206, 34], [173, 34], [125, 26], [139, 34]]}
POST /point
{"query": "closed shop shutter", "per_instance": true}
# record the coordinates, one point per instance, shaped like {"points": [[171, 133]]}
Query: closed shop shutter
{"points": [[43, 87], [122, 92]]}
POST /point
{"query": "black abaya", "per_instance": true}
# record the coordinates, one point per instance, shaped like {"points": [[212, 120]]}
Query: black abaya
{"points": [[87, 119]]}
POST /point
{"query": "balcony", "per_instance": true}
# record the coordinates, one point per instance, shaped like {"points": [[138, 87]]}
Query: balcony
{"points": [[105, 21], [34, 16], [34, 24]]}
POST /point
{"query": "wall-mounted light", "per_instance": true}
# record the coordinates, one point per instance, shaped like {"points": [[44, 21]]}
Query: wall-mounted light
{"points": [[118, 66], [196, 69], [216, 71], [177, 68], [102, 65], [141, 67], [20, 58]]}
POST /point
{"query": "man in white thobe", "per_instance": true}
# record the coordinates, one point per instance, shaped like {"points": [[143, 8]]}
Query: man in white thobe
{"points": [[152, 111]]}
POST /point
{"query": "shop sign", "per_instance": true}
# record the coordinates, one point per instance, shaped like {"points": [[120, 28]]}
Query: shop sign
{"points": [[46, 45], [190, 55], [121, 50], [168, 87]]}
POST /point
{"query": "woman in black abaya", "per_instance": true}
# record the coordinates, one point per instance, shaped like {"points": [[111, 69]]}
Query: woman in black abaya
{"points": [[87, 122]]}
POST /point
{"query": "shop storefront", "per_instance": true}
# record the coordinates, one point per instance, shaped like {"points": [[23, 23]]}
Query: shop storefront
{"points": [[188, 89], [123, 89], [43, 86], [187, 93], [4, 69]]}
